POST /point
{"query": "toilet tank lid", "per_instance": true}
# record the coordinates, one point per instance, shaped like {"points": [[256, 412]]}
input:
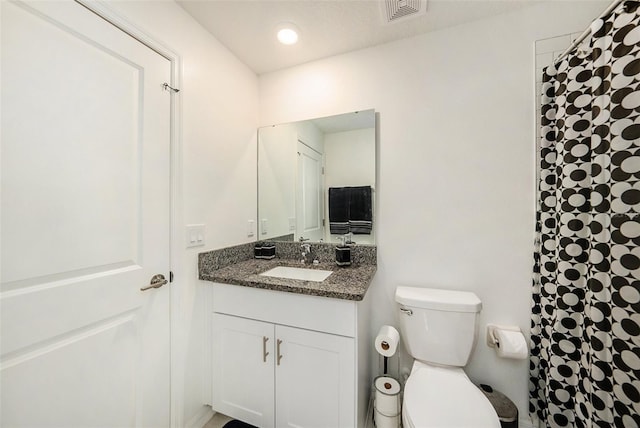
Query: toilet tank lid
{"points": [[443, 300]]}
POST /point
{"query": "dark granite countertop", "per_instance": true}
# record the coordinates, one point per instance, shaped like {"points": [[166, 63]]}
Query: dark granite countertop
{"points": [[348, 282]]}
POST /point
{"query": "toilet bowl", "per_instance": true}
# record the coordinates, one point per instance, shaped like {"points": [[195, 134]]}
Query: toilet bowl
{"points": [[439, 332], [444, 397]]}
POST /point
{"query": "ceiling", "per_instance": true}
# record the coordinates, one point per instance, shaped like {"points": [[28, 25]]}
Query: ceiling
{"points": [[327, 27], [346, 122]]}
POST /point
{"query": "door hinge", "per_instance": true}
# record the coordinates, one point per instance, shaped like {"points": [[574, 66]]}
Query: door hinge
{"points": [[170, 276]]}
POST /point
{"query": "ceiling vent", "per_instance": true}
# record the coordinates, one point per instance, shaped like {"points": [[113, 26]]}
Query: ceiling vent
{"points": [[399, 10]]}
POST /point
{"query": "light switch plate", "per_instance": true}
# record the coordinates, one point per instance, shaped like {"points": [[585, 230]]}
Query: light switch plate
{"points": [[195, 235], [250, 228], [292, 224], [263, 226]]}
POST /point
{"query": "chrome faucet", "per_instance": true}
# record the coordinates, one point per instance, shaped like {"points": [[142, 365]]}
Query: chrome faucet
{"points": [[306, 253], [347, 239]]}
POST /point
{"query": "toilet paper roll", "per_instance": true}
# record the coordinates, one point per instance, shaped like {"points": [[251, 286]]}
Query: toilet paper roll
{"points": [[511, 344], [383, 421], [387, 341], [387, 398]]}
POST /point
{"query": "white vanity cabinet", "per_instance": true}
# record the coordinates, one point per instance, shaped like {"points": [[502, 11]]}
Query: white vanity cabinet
{"points": [[243, 382], [267, 373], [288, 360]]}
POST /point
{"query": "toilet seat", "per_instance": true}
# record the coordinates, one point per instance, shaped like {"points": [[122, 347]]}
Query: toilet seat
{"points": [[444, 397]]}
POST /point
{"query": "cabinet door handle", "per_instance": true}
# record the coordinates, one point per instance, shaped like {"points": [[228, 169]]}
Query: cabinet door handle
{"points": [[265, 339], [278, 351]]}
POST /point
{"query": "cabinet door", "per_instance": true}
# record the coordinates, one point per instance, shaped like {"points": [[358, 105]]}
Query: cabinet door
{"points": [[315, 379], [243, 378]]}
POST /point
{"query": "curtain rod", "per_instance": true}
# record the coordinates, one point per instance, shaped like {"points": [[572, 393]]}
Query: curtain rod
{"points": [[587, 32]]}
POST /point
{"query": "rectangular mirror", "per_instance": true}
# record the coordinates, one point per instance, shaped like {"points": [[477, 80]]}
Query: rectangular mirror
{"points": [[316, 179]]}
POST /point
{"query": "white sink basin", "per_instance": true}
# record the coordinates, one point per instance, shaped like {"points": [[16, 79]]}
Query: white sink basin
{"points": [[316, 275]]}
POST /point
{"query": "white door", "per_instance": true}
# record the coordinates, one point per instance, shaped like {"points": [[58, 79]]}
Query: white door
{"points": [[315, 380], [85, 138], [243, 356], [309, 206]]}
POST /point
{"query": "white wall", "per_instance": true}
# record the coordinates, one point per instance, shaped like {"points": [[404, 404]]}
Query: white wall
{"points": [[277, 179], [219, 97], [456, 160], [278, 175], [310, 135]]}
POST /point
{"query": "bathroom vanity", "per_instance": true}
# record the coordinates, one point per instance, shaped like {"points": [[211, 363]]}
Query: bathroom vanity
{"points": [[290, 352], [289, 345]]}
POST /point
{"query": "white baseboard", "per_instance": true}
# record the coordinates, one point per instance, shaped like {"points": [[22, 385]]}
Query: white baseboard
{"points": [[201, 418], [525, 423]]}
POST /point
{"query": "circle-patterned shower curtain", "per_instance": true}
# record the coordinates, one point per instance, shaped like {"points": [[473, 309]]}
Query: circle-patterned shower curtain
{"points": [[585, 357]]}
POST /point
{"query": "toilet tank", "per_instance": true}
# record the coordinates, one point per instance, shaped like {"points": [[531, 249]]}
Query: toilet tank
{"points": [[438, 326]]}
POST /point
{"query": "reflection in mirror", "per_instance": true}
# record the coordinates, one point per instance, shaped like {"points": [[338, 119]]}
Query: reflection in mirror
{"points": [[316, 179]]}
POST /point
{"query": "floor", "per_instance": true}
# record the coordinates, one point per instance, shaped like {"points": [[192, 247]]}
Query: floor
{"points": [[217, 421]]}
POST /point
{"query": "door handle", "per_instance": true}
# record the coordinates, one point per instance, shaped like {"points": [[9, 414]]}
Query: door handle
{"points": [[157, 281], [265, 339], [278, 351]]}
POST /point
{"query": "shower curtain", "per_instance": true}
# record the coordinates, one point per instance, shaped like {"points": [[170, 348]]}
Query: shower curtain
{"points": [[585, 356]]}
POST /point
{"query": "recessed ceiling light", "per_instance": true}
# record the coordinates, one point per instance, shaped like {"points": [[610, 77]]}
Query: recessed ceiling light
{"points": [[287, 34]]}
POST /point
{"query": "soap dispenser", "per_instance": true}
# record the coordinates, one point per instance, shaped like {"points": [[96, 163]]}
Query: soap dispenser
{"points": [[343, 251]]}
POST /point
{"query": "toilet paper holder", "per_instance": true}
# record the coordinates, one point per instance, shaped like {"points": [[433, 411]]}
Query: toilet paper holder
{"points": [[492, 340]]}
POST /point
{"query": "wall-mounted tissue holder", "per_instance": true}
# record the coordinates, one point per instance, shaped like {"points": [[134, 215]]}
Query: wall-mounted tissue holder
{"points": [[508, 341], [492, 340]]}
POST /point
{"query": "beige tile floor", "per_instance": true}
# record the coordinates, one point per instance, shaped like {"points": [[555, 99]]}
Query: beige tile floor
{"points": [[217, 421]]}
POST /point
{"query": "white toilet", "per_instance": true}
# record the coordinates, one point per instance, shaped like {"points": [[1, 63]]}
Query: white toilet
{"points": [[438, 328]]}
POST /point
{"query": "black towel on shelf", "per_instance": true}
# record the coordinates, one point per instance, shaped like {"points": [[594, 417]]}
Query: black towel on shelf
{"points": [[360, 210], [350, 210], [338, 228], [339, 210], [360, 227]]}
